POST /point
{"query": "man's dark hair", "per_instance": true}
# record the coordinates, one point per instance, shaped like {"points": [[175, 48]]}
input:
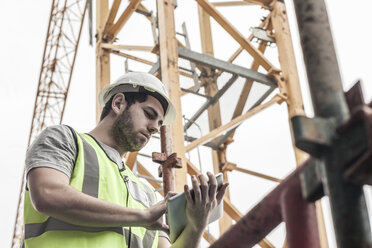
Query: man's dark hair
{"points": [[130, 97]]}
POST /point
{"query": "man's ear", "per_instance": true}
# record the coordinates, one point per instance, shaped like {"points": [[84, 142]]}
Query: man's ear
{"points": [[118, 103]]}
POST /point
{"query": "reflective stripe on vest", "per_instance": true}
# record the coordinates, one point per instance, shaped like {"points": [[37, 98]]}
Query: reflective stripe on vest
{"points": [[91, 170], [52, 224], [137, 193], [91, 179], [90, 186], [135, 241]]}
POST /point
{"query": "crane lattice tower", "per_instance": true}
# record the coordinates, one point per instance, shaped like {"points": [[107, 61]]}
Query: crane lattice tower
{"points": [[245, 64]]}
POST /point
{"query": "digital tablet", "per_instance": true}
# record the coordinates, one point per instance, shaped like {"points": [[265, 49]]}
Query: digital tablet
{"points": [[176, 208]]}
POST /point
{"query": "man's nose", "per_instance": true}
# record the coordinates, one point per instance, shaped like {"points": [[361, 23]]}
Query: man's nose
{"points": [[153, 127]]}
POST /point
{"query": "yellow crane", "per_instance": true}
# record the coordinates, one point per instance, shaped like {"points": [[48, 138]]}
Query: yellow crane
{"points": [[163, 58]]}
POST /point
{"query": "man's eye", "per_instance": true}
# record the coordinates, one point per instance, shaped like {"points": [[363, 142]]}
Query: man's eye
{"points": [[149, 115]]}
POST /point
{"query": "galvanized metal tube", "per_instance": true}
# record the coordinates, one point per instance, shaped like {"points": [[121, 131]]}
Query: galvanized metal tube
{"points": [[320, 59]]}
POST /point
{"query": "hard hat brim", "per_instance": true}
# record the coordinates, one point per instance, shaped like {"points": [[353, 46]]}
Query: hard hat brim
{"points": [[124, 85]]}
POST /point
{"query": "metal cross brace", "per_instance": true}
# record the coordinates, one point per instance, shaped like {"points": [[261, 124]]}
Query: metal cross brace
{"points": [[212, 62], [211, 101], [229, 133], [342, 166]]}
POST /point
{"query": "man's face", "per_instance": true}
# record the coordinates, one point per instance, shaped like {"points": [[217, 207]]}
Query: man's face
{"points": [[134, 126]]}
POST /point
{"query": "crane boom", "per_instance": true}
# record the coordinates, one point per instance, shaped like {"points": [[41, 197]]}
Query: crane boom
{"points": [[61, 44]]}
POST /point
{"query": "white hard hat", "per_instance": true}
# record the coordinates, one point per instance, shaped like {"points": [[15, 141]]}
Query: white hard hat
{"points": [[141, 82]]}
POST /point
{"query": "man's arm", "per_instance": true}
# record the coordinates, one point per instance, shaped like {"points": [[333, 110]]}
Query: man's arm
{"points": [[52, 195], [198, 210]]}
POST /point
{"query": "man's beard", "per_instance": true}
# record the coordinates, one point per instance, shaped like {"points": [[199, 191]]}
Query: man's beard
{"points": [[123, 134]]}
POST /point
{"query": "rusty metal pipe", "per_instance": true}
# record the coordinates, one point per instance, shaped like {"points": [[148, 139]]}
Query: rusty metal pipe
{"points": [[300, 219], [168, 171]]}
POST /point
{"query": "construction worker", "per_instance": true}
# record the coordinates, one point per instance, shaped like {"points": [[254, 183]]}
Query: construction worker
{"points": [[80, 193]]}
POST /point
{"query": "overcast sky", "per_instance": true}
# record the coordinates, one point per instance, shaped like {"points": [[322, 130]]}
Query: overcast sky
{"points": [[262, 143]]}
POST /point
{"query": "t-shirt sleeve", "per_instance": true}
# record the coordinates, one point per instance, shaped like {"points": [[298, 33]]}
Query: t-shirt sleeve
{"points": [[164, 235], [55, 148]]}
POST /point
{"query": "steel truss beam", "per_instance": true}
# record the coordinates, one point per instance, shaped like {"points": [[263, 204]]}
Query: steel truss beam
{"points": [[210, 102], [212, 11], [111, 30], [212, 62], [233, 123], [58, 63], [203, 64], [230, 133], [170, 49], [171, 140]]}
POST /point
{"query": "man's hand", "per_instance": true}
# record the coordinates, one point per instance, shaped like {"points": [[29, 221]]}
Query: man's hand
{"points": [[206, 198], [198, 210], [154, 215]]}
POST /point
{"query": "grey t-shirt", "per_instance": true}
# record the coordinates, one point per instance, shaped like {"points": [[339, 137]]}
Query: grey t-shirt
{"points": [[55, 147]]}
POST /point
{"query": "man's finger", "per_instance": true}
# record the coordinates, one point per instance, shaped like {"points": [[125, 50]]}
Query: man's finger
{"points": [[221, 192], [197, 193], [212, 186], [204, 188], [188, 195]]}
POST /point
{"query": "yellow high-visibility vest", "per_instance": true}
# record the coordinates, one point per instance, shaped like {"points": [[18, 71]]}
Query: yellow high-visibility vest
{"points": [[96, 175]]}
